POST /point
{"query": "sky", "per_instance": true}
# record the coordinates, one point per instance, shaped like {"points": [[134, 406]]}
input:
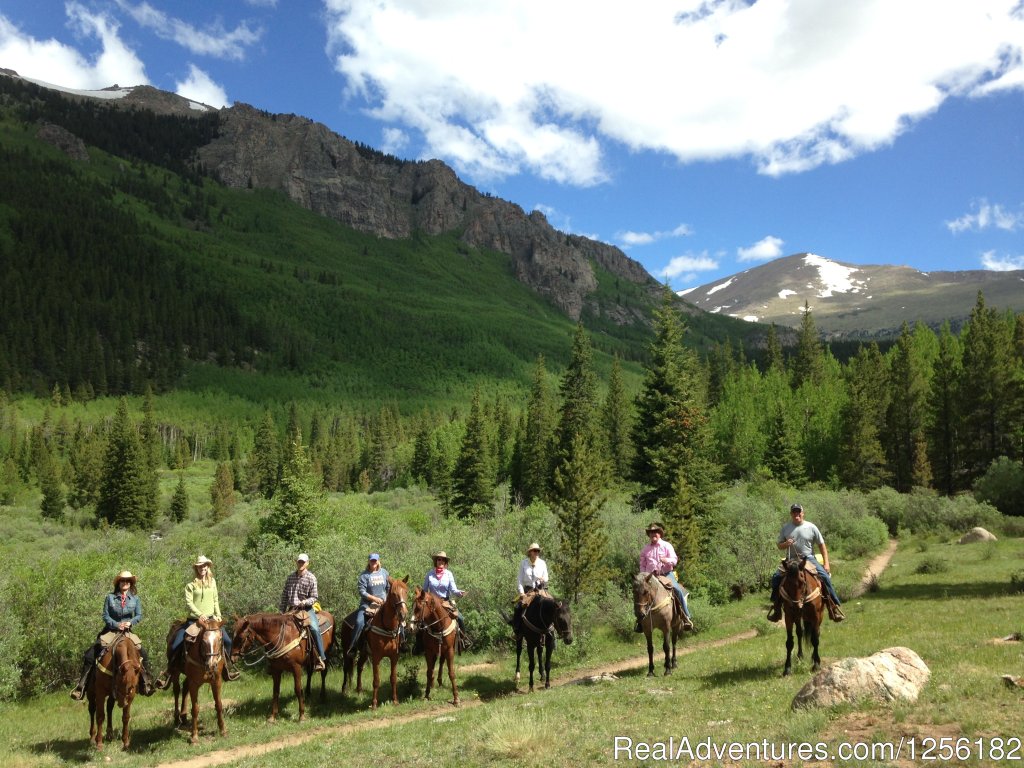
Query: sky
{"points": [[703, 137]]}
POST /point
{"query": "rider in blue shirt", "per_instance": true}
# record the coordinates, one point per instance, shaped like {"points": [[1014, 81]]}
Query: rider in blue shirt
{"points": [[373, 589]]}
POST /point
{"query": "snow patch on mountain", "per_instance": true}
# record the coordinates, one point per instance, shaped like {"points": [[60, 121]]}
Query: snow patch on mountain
{"points": [[720, 286], [786, 292], [835, 278]]}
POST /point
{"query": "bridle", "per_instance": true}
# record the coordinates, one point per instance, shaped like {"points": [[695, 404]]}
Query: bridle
{"points": [[209, 641], [645, 604], [400, 610], [799, 600], [438, 615]]}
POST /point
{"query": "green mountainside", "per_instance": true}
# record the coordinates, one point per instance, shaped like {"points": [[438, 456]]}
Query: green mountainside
{"points": [[133, 267]]}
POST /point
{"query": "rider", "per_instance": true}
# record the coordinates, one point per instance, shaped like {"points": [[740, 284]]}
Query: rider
{"points": [[122, 610], [203, 602], [533, 579], [799, 537], [300, 594], [373, 588], [659, 557], [441, 582]]}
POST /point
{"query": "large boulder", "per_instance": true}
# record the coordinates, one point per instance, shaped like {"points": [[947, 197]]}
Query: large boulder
{"points": [[976, 534], [889, 675]]}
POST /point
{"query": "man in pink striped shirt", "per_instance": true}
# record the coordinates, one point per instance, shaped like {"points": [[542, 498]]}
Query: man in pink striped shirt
{"points": [[659, 556]]}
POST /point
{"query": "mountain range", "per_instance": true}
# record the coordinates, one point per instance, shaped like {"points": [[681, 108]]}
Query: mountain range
{"points": [[854, 302]]}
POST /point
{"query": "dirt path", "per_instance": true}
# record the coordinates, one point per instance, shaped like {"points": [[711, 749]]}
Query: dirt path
{"points": [[222, 756]]}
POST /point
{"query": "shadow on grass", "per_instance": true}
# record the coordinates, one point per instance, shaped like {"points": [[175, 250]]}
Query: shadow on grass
{"points": [[933, 591], [81, 750], [749, 674]]}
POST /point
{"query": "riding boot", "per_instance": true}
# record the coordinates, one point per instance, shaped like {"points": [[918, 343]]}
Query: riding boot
{"points": [[775, 614], [638, 627], [319, 665], [164, 680], [79, 691], [147, 686], [834, 611]]}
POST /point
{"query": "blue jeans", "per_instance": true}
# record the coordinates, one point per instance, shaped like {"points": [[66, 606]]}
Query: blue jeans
{"points": [[823, 577], [679, 591], [314, 625], [179, 638], [357, 629]]}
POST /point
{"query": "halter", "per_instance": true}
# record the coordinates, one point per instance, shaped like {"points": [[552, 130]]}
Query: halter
{"points": [[399, 606], [801, 581], [208, 657], [550, 628], [434, 610], [649, 602], [270, 650]]}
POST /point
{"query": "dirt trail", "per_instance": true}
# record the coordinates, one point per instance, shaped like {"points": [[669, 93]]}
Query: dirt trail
{"points": [[222, 756]]}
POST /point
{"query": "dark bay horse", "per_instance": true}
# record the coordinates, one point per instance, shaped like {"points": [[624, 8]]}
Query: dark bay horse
{"points": [[654, 607], [543, 618], [439, 633], [381, 636], [204, 663], [803, 605], [281, 641], [117, 679]]}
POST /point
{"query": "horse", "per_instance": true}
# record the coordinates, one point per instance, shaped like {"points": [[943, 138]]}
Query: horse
{"points": [[204, 663], [540, 621], [382, 637], [439, 633], [655, 608], [118, 672], [279, 639], [803, 605]]}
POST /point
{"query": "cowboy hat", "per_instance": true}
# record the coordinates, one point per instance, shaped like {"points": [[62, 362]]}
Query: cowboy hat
{"points": [[654, 528], [442, 555], [532, 547], [124, 576], [202, 560]]}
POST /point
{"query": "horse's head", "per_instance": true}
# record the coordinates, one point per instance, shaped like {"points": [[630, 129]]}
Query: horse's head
{"points": [[397, 599], [126, 664], [563, 621], [423, 614], [794, 565], [243, 638], [643, 590], [211, 644]]}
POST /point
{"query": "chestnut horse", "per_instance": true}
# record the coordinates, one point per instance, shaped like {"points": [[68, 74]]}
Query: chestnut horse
{"points": [[543, 617], [204, 663], [382, 635], [654, 607], [438, 633], [116, 679], [803, 605], [280, 640]]}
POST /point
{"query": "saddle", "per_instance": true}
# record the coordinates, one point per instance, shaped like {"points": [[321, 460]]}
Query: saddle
{"points": [[666, 582]]}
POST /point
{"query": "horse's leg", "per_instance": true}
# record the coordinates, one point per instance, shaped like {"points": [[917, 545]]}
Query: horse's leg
{"points": [[126, 718], [215, 686], [359, 670], [193, 694], [276, 673], [92, 716], [676, 629], [531, 652], [519, 653], [323, 684], [814, 632], [666, 643], [450, 652], [431, 657], [110, 715], [394, 675], [309, 680], [789, 646], [376, 680], [799, 624], [649, 631], [98, 703], [297, 676], [549, 646]]}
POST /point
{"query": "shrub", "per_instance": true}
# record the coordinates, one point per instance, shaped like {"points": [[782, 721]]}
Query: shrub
{"points": [[932, 564], [889, 506], [1002, 486]]}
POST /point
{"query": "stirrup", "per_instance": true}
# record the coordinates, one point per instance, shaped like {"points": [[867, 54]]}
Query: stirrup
{"points": [[835, 612], [775, 613], [78, 694], [318, 664]]}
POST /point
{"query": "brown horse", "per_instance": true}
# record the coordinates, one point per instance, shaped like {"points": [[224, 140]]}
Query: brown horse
{"points": [[654, 607], [803, 605], [540, 621], [281, 641], [381, 637], [117, 679], [438, 633], [204, 663]]}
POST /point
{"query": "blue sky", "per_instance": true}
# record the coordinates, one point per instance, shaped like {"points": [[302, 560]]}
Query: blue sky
{"points": [[703, 137]]}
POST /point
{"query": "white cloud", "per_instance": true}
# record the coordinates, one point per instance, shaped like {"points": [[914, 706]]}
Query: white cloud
{"points": [[199, 86], [985, 216], [627, 239], [394, 141], [497, 87], [688, 263], [989, 260], [767, 248], [214, 41], [60, 64]]}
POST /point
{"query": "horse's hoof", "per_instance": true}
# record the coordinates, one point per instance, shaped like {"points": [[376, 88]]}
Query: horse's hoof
{"points": [[194, 740], [786, 673], [651, 673]]}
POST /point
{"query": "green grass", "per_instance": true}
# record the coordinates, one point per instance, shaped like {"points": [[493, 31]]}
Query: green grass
{"points": [[732, 693]]}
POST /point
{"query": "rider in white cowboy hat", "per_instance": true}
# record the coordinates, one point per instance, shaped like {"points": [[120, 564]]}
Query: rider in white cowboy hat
{"points": [[533, 578]]}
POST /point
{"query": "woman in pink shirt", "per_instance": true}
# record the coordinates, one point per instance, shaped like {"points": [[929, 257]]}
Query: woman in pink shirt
{"points": [[659, 556]]}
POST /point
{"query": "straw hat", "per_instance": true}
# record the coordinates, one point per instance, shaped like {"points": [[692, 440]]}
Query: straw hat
{"points": [[532, 547], [124, 576], [202, 560], [442, 555]]}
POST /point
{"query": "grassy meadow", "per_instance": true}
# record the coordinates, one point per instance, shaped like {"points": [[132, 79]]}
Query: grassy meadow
{"points": [[948, 603]]}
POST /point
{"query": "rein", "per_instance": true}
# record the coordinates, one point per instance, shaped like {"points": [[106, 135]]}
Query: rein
{"points": [[799, 603], [452, 624], [536, 629]]}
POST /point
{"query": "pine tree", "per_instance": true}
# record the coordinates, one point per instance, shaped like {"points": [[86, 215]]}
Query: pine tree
{"points": [[124, 498], [179, 501], [222, 491], [473, 476], [52, 505], [536, 439], [943, 428], [861, 458], [576, 500], [299, 503], [421, 455], [807, 363], [616, 420], [774, 360], [909, 384], [783, 457], [265, 464], [577, 418], [680, 514]]}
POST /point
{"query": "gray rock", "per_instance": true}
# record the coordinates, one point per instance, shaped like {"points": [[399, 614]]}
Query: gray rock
{"points": [[976, 534], [889, 675], [64, 140]]}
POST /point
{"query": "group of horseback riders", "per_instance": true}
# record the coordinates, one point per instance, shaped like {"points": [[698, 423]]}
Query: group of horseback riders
{"points": [[122, 608]]}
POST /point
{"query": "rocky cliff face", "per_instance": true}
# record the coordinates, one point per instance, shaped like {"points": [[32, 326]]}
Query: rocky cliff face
{"points": [[375, 193]]}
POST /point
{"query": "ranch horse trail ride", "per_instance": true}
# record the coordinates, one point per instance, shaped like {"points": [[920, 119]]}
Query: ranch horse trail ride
{"points": [[201, 661], [284, 643], [381, 638], [116, 678], [804, 606], [439, 633], [537, 625], [654, 606]]}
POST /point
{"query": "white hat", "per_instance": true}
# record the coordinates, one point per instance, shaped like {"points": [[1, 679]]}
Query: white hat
{"points": [[202, 560], [532, 547], [303, 558]]}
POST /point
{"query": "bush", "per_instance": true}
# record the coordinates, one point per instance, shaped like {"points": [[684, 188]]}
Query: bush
{"points": [[932, 564], [1002, 486], [889, 506], [928, 513]]}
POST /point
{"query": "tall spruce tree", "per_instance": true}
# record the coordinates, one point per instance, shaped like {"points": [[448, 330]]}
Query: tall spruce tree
{"points": [[473, 476], [222, 491], [909, 383], [52, 504], [616, 420], [671, 432], [577, 416], [861, 457], [808, 361], [265, 464], [774, 360], [299, 503], [943, 426], [179, 501], [535, 450], [125, 498]]}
